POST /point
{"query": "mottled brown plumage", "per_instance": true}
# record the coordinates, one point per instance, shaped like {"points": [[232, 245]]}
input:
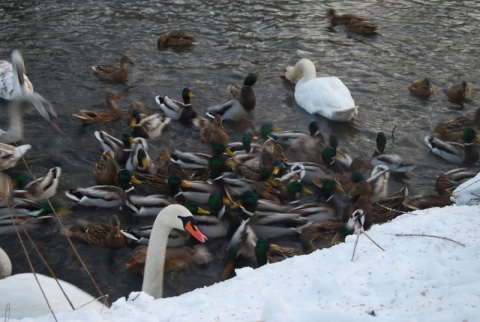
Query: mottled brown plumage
{"points": [[114, 73], [106, 234], [211, 132], [422, 88], [344, 19], [460, 91], [114, 113], [106, 169], [176, 38], [452, 130]]}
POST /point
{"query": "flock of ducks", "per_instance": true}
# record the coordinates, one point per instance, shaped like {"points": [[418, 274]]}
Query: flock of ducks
{"points": [[272, 185]]}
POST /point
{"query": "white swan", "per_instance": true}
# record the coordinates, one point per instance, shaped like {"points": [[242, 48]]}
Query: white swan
{"points": [[327, 96], [13, 80], [21, 291], [5, 264], [16, 108]]}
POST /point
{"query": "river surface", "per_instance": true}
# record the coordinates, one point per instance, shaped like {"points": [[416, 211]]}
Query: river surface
{"points": [[60, 40]]}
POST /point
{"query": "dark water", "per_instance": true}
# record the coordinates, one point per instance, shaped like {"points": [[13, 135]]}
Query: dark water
{"points": [[60, 40]]}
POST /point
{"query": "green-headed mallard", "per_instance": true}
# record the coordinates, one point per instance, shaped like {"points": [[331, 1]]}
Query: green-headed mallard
{"points": [[268, 252], [237, 108], [452, 130], [139, 159], [106, 234], [114, 73], [465, 153], [176, 38], [393, 161], [106, 196], [422, 88], [150, 127], [41, 188], [136, 112], [114, 113], [430, 200], [121, 148], [176, 110]]}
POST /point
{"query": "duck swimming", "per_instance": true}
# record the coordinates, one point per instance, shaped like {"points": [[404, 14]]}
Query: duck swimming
{"points": [[114, 73]]}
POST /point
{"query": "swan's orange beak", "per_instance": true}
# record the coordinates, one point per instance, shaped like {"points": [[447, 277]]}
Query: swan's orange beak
{"points": [[195, 232]]}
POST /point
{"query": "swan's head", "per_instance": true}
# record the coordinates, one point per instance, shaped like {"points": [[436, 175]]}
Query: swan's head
{"points": [[179, 217], [18, 66], [291, 74]]}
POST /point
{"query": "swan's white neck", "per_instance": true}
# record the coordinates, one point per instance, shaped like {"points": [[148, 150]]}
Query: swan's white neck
{"points": [[14, 132], [154, 266], [306, 68]]}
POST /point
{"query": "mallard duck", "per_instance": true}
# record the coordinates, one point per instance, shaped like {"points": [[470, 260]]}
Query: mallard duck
{"points": [[311, 232], [328, 157], [41, 188], [114, 113], [139, 159], [120, 148], [237, 108], [136, 112], [267, 252], [166, 185], [422, 88], [106, 169], [13, 80], [460, 92], [245, 145], [344, 19], [99, 233], [459, 175], [361, 27], [465, 153], [150, 127], [467, 192], [176, 258], [16, 108], [176, 110], [106, 196], [393, 161], [9, 154], [430, 200], [327, 96], [452, 130], [211, 132], [176, 38], [114, 73]]}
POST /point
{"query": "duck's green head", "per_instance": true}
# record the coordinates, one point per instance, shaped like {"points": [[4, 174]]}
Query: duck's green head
{"points": [[250, 80], [266, 129], [381, 142], [333, 141], [19, 180], [219, 148], [327, 155], [135, 117], [247, 139], [357, 177], [249, 201], [126, 179], [261, 251], [215, 203], [469, 135], [329, 187], [218, 165], [313, 128], [294, 187], [195, 209], [142, 158], [127, 140], [174, 183], [187, 95]]}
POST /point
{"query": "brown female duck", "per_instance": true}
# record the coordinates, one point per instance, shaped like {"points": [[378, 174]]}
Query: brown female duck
{"points": [[460, 92], [422, 88], [337, 20], [211, 132], [176, 38], [99, 233], [114, 73], [114, 113], [106, 169]]}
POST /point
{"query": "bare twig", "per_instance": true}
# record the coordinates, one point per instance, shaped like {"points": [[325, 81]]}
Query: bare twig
{"points": [[391, 209], [433, 236], [393, 137]]}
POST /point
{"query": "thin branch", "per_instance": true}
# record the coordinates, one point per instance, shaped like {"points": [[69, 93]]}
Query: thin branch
{"points": [[390, 209], [433, 236]]}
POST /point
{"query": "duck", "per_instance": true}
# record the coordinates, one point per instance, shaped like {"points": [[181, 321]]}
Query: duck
{"points": [[42, 188], [452, 130], [176, 38], [361, 27], [114, 113], [429, 200], [139, 159], [456, 153], [326, 96], [136, 112], [422, 88], [239, 108], [114, 73], [268, 252], [13, 80], [150, 127], [337, 20], [9, 154], [176, 258], [21, 290], [467, 192], [183, 112], [211, 132], [106, 169], [93, 233], [106, 196], [121, 148], [461, 91], [16, 108], [458, 176], [393, 161]]}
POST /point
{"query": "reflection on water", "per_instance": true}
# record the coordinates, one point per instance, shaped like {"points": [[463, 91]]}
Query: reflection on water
{"points": [[60, 41]]}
